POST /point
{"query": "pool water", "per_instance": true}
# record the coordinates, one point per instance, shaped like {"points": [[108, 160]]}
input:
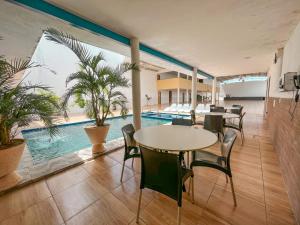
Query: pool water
{"points": [[73, 138]]}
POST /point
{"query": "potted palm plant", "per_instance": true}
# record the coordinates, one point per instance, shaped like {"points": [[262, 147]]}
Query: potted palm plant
{"points": [[95, 86], [20, 104]]}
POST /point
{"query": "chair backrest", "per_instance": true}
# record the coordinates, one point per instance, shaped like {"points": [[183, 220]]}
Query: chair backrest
{"points": [[193, 116], [227, 144], [182, 122], [236, 111], [162, 172], [128, 132], [214, 123], [241, 120], [217, 109]]}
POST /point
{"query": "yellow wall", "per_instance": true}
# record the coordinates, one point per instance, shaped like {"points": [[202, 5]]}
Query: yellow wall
{"points": [[174, 83]]}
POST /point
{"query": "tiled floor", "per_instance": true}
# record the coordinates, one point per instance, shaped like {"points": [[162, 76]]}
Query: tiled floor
{"points": [[92, 193]]}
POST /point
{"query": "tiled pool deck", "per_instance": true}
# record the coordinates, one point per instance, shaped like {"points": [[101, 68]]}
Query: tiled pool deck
{"points": [[31, 172]]}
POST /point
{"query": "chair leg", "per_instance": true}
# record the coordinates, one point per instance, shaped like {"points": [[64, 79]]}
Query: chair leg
{"points": [[233, 193], [190, 183], [122, 171], [193, 199], [179, 216], [139, 207], [242, 137], [132, 162], [243, 134]]}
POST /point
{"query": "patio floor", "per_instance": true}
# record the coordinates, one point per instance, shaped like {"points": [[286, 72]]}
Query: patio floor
{"points": [[92, 193]]}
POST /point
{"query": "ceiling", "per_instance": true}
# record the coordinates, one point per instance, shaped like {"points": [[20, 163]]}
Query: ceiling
{"points": [[220, 37], [22, 31]]}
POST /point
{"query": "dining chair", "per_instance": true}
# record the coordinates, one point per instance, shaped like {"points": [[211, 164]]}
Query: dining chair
{"points": [[217, 109], [214, 123], [131, 149], [239, 126], [182, 122], [193, 118], [238, 106], [221, 163], [164, 173]]}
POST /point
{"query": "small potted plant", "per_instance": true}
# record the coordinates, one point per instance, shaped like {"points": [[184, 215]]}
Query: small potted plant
{"points": [[20, 104], [95, 86]]}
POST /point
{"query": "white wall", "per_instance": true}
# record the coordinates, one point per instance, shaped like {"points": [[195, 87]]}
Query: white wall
{"points": [[245, 89], [64, 62], [289, 62]]}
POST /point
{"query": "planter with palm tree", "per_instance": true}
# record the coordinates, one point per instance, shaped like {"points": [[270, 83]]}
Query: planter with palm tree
{"points": [[95, 86], [20, 104]]}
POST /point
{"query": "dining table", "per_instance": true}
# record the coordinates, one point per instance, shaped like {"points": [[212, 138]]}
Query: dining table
{"points": [[175, 138]]}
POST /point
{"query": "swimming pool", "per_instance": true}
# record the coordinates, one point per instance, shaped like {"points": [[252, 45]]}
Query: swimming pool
{"points": [[73, 138]]}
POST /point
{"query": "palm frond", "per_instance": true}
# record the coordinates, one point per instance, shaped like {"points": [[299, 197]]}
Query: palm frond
{"points": [[70, 42]]}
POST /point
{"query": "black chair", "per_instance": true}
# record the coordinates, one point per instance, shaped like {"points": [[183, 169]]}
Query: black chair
{"points": [[131, 149], [217, 109], [237, 106], [164, 173], [182, 122], [193, 118], [236, 111], [221, 163], [214, 123], [238, 126]]}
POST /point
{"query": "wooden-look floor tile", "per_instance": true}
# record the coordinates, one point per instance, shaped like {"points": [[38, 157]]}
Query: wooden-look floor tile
{"points": [[118, 155], [136, 167], [76, 198], [163, 211], [42, 213], [202, 191], [61, 181], [19, 200], [247, 212], [208, 218], [209, 174], [128, 193], [106, 211], [93, 194], [277, 215], [111, 178], [245, 185]]}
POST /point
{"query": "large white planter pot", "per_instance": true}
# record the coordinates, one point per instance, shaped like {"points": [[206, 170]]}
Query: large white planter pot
{"points": [[9, 161], [97, 136]]}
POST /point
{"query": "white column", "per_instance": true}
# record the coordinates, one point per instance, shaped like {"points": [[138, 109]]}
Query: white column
{"points": [[194, 88], [136, 84], [178, 90], [214, 91]]}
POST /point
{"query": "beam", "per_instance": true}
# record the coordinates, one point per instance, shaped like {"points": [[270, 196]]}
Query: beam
{"points": [[77, 21]]}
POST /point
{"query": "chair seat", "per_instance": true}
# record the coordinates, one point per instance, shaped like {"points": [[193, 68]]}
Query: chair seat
{"points": [[134, 152], [203, 158], [232, 125]]}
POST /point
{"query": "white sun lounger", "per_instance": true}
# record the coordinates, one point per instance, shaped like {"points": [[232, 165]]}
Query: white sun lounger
{"points": [[168, 109]]}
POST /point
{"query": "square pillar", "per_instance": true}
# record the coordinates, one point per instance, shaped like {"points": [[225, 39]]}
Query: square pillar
{"points": [[194, 88]]}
